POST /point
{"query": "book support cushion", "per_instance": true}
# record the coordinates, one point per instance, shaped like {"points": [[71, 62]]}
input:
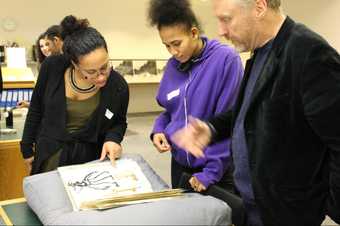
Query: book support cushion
{"points": [[46, 195]]}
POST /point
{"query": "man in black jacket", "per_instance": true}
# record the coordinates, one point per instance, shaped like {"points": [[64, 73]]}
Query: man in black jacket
{"points": [[285, 126]]}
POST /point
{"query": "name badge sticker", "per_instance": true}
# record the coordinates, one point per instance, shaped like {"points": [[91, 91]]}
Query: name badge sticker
{"points": [[173, 94], [108, 114]]}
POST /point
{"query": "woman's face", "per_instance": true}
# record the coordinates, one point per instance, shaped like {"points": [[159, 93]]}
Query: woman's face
{"points": [[95, 67], [181, 43], [45, 46], [50, 46]]}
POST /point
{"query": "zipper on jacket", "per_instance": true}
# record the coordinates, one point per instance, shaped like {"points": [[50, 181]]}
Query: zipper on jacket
{"points": [[186, 110]]}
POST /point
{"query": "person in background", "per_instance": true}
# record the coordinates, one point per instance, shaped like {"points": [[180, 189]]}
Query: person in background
{"points": [[42, 48], [285, 126], [79, 104], [201, 79], [49, 43], [53, 35]]}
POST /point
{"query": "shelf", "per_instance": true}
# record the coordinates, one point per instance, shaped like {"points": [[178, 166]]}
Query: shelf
{"points": [[143, 79], [17, 78]]}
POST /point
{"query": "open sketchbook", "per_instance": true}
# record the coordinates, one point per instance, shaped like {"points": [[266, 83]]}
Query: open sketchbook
{"points": [[101, 186]]}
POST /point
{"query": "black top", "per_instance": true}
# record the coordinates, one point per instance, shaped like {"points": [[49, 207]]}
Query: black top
{"points": [[45, 125], [1, 85], [292, 129]]}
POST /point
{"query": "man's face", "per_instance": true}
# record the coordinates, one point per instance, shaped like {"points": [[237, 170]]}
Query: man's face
{"points": [[236, 23]]}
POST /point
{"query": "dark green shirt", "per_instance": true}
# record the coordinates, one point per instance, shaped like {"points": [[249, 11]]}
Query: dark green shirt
{"points": [[79, 111]]}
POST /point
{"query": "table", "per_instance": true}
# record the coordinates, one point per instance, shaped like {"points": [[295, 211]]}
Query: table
{"points": [[17, 212]]}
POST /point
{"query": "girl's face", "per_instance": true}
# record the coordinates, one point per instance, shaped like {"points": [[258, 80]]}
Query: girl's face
{"points": [[44, 45], [95, 67], [181, 43]]}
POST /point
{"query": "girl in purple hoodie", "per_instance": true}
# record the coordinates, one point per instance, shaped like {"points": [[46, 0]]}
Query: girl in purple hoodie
{"points": [[201, 80]]}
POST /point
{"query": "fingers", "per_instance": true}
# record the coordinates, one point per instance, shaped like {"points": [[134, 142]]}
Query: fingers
{"points": [[192, 182], [196, 151], [23, 104], [112, 150], [112, 157], [28, 163], [161, 143], [194, 138], [185, 139], [103, 155], [196, 184], [201, 188]]}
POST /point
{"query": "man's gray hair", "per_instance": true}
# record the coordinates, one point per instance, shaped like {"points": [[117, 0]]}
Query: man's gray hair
{"points": [[273, 4]]}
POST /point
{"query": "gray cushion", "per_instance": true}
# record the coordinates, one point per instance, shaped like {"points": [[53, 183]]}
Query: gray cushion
{"points": [[46, 195]]}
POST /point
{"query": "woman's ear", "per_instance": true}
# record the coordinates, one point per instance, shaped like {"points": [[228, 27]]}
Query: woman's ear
{"points": [[195, 32]]}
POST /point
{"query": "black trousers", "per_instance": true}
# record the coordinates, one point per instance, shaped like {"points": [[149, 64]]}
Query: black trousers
{"points": [[223, 190]]}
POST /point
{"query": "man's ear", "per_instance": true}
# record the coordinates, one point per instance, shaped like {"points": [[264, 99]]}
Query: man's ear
{"points": [[261, 8]]}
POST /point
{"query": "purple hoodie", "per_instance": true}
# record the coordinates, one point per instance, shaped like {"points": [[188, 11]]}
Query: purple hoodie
{"points": [[208, 88]]}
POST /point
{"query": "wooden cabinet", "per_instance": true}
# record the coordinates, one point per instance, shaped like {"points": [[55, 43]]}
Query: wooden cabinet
{"points": [[12, 170], [12, 166]]}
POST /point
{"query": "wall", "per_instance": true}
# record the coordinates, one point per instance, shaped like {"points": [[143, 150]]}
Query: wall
{"points": [[124, 25], [321, 16]]}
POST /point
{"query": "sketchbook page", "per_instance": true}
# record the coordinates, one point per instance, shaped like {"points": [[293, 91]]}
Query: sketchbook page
{"points": [[94, 181]]}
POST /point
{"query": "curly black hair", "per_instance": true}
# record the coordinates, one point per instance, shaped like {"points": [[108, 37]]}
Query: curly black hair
{"points": [[79, 38], [172, 12]]}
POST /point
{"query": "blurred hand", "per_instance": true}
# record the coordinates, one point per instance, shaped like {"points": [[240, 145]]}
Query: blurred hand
{"points": [[111, 150], [28, 163], [194, 138], [23, 104], [161, 143], [196, 184]]}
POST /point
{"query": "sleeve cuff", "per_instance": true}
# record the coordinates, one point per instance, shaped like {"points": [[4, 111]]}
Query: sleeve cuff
{"points": [[26, 150], [203, 179], [113, 137]]}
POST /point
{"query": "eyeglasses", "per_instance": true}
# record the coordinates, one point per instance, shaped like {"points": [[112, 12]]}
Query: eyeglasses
{"points": [[92, 73]]}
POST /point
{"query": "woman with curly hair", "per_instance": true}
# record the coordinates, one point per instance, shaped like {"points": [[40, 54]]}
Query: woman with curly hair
{"points": [[79, 104], [201, 79]]}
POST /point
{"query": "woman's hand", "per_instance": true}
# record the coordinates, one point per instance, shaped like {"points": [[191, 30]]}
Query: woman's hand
{"points": [[28, 163], [196, 184], [112, 150], [23, 104], [161, 143]]}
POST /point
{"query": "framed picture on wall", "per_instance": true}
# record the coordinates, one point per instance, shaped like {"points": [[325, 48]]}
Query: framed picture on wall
{"points": [[124, 67], [161, 64], [140, 70], [145, 68]]}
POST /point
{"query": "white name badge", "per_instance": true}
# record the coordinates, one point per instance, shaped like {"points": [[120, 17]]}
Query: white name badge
{"points": [[173, 94], [108, 114]]}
